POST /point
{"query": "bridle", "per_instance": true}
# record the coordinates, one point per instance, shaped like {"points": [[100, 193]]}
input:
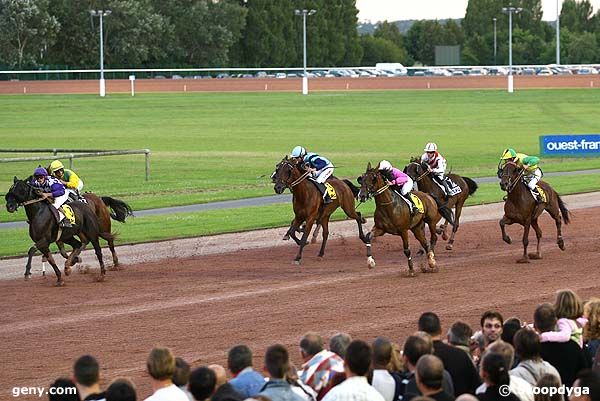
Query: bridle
{"points": [[512, 183], [29, 193], [296, 181], [419, 178], [375, 193]]}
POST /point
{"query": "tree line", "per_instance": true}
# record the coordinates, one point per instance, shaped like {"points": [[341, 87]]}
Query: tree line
{"points": [[267, 33]]}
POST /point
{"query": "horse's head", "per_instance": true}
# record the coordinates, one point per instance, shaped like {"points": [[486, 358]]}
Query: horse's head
{"points": [[370, 182], [415, 169], [286, 172], [20, 192], [509, 175]]}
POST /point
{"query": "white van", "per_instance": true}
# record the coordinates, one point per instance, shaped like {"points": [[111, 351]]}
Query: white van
{"points": [[398, 68]]}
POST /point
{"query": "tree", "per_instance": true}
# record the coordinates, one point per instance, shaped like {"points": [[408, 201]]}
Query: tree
{"points": [[389, 31], [582, 49], [380, 50], [422, 37], [576, 16], [26, 30]]}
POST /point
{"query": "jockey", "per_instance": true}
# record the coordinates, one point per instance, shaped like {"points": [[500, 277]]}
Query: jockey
{"points": [[532, 175], [298, 152], [436, 165], [321, 169], [397, 178], [73, 184], [51, 188]]}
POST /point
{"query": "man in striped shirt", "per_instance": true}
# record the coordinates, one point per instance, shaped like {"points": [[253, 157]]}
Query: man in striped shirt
{"points": [[320, 365]]}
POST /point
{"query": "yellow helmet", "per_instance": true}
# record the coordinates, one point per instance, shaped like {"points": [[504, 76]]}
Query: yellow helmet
{"points": [[508, 154], [56, 165]]}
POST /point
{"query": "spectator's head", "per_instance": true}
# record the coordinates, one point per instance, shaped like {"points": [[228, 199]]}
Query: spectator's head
{"points": [[429, 322], [277, 361], [220, 374], [460, 333], [591, 331], [505, 349], [181, 376], [415, 347], [567, 305], [68, 390], [86, 371], [493, 370], [429, 374], [339, 343], [509, 328], [544, 318], [161, 364], [121, 390], [358, 358], [527, 345], [382, 353], [239, 358], [467, 397], [590, 380], [396, 364], [202, 383], [310, 345], [491, 326], [548, 381]]}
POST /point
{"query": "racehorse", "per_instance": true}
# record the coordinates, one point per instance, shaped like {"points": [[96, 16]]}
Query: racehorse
{"points": [[392, 216], [420, 174], [308, 203], [119, 211], [520, 207], [44, 229]]}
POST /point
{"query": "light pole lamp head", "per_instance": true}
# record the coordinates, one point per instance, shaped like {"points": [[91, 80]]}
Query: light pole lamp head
{"points": [[311, 12], [97, 13], [304, 12]]}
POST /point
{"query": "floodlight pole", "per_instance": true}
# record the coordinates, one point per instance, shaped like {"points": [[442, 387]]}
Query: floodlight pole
{"points": [[101, 14], [304, 13], [495, 42], [510, 11], [557, 34]]}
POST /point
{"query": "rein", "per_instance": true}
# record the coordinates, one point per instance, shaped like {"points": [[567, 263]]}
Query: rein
{"points": [[299, 179], [419, 178], [29, 202], [513, 184], [382, 190]]}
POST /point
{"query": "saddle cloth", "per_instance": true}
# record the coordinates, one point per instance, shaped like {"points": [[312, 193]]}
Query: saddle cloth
{"points": [[542, 193], [68, 213], [330, 190], [417, 201], [454, 187]]}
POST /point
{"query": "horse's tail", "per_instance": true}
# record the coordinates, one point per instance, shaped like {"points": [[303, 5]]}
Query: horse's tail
{"points": [[355, 190], [444, 210], [471, 184], [563, 210], [119, 210]]}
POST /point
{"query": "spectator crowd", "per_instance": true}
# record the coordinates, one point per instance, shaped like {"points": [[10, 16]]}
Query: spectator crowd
{"points": [[560, 349]]}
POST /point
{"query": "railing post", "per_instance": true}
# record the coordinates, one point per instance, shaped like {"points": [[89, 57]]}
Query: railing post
{"points": [[147, 156], [71, 156]]}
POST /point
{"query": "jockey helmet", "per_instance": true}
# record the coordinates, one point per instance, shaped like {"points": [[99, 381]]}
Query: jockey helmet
{"points": [[56, 165], [298, 151], [508, 154], [40, 172], [430, 147], [385, 165]]}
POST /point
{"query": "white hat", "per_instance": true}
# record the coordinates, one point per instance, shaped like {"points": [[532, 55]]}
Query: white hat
{"points": [[430, 147]]}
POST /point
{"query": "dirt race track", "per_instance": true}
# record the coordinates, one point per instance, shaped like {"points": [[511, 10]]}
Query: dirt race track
{"points": [[202, 306]]}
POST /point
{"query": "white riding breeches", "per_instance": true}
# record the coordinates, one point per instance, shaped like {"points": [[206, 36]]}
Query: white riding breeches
{"points": [[322, 175], [58, 202], [533, 178], [407, 187]]}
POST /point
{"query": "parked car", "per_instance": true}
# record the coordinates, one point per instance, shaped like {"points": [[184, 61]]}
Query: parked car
{"points": [[280, 75]]}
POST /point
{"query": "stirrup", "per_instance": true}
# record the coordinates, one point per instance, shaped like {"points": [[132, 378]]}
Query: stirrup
{"points": [[65, 223]]}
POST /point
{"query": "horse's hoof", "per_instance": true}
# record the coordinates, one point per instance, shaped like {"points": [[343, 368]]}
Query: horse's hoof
{"points": [[67, 271], [420, 252], [100, 278], [60, 283], [27, 277], [445, 236], [434, 270], [535, 256], [449, 247], [286, 237], [438, 231], [411, 273], [561, 244], [507, 239], [424, 270], [523, 260], [371, 262], [296, 262]]}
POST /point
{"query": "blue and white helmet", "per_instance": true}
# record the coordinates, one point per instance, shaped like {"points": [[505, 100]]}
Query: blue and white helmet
{"points": [[298, 151]]}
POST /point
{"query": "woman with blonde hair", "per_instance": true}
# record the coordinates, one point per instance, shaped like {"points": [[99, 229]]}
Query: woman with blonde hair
{"points": [[591, 331], [569, 311]]}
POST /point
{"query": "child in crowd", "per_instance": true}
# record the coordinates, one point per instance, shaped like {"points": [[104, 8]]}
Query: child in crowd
{"points": [[569, 311]]}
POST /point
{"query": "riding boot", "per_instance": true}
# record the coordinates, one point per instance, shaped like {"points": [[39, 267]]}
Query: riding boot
{"points": [[536, 195], [413, 208], [326, 198], [446, 188], [65, 223]]}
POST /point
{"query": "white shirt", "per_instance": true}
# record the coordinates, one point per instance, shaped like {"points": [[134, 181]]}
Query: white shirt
{"points": [[518, 387], [354, 388], [169, 393], [384, 383]]}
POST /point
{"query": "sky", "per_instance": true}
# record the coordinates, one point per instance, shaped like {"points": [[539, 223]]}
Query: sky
{"points": [[394, 10]]}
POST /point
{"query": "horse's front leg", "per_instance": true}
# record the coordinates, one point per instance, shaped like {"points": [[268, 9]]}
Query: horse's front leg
{"points": [[315, 234], [525, 257], [291, 232], [457, 213], [538, 235], [304, 240], [375, 232], [325, 224], [30, 254], [78, 247], [503, 222], [406, 249], [43, 246]]}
